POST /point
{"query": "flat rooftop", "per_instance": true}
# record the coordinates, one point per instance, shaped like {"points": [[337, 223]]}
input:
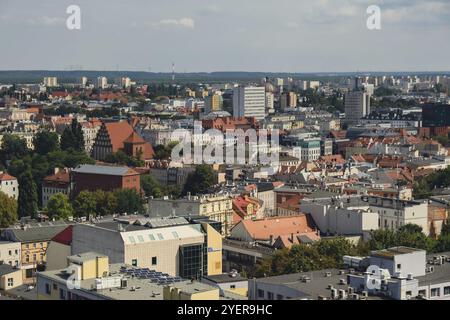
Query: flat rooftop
{"points": [[392, 252], [143, 289]]}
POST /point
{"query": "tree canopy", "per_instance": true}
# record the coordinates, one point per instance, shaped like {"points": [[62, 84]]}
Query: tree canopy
{"points": [[8, 210]]}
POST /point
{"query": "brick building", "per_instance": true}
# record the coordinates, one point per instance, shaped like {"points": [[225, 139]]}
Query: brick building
{"points": [[106, 178]]}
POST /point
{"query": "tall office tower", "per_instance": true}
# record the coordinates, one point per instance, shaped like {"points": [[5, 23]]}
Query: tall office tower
{"points": [[102, 82], [357, 106], [213, 103], [288, 100], [83, 81], [270, 103], [249, 102], [50, 82]]}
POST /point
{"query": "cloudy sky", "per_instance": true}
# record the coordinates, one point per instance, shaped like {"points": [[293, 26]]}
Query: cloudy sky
{"points": [[226, 35]]}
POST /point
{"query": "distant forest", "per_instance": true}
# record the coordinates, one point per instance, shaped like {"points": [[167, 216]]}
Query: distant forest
{"points": [[36, 76]]}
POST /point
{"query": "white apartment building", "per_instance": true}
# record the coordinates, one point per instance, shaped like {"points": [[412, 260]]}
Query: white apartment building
{"points": [[9, 185], [50, 82], [10, 253], [102, 82], [249, 102]]}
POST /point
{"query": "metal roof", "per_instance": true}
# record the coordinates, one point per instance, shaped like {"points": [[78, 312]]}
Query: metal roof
{"points": [[104, 170]]}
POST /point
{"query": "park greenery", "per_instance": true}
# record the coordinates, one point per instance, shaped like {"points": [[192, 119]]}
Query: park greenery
{"points": [[329, 253]]}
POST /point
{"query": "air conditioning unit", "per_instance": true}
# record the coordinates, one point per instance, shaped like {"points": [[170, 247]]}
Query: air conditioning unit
{"points": [[334, 293], [342, 281], [342, 294], [327, 274], [350, 290]]}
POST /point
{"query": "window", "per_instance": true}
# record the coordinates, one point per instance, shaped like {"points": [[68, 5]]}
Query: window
{"points": [[160, 236], [134, 262], [55, 286], [435, 292], [399, 266], [233, 286], [10, 252], [446, 291], [140, 238], [132, 240], [152, 237], [260, 293], [175, 235], [27, 258], [154, 261], [62, 294], [279, 297], [48, 289], [269, 295], [10, 282]]}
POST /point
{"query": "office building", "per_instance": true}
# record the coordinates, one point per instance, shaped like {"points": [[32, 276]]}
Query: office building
{"points": [[249, 102]]}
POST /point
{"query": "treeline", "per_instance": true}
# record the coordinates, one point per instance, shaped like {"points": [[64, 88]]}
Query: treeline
{"points": [[327, 254], [424, 186]]}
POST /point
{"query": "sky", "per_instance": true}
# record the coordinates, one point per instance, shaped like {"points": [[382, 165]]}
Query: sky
{"points": [[225, 35]]}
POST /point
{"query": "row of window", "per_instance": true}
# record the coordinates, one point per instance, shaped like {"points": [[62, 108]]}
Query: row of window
{"points": [[10, 253], [27, 257], [141, 239], [41, 245]]}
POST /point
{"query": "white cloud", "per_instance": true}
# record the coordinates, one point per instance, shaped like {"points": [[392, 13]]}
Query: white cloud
{"points": [[187, 23]]}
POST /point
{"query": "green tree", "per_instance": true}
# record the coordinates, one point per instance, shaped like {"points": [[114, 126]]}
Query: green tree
{"points": [[72, 137], [85, 204], [200, 181], [13, 147], [59, 207], [8, 210], [150, 186], [45, 142], [106, 203], [28, 196], [129, 201]]}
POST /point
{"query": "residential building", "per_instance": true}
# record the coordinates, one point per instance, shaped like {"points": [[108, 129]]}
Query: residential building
{"points": [[215, 207], [10, 277], [34, 240], [50, 82], [213, 103], [102, 82], [9, 185], [10, 253], [269, 229], [59, 182], [249, 102]]}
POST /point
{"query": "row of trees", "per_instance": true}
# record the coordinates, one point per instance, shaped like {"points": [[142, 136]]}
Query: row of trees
{"points": [[424, 186], [92, 204], [326, 254], [30, 167]]}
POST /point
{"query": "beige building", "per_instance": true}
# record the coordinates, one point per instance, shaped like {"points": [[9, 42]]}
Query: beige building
{"points": [[215, 207], [171, 246], [10, 253], [9, 185], [89, 276], [10, 277]]}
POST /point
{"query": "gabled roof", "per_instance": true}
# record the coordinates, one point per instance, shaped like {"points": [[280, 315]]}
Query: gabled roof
{"points": [[65, 236], [134, 138], [118, 132], [6, 177], [265, 228]]}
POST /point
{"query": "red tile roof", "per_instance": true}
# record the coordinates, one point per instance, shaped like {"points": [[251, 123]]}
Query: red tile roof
{"points": [[277, 226], [6, 177]]}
